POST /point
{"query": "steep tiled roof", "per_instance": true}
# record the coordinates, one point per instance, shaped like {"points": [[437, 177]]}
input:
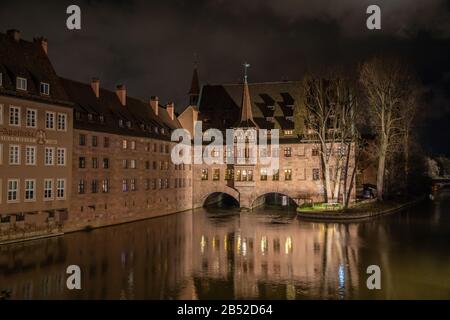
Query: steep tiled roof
{"points": [[273, 104], [21, 58], [106, 112]]}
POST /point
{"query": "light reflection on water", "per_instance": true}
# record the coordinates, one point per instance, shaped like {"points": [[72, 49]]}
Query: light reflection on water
{"points": [[224, 254]]}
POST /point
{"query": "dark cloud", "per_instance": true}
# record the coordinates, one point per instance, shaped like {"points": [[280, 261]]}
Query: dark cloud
{"points": [[150, 45]]}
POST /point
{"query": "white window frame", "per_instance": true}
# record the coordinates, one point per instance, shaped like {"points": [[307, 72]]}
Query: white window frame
{"points": [[59, 152], [58, 189], [33, 111], [27, 158], [61, 116], [17, 148], [47, 113], [44, 85], [52, 157], [18, 116], [16, 190], [20, 80], [28, 189], [47, 189]]}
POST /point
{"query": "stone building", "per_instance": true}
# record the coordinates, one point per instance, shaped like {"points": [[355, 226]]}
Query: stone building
{"points": [[35, 140]]}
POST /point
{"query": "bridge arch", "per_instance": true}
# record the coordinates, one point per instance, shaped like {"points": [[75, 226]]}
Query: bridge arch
{"points": [[230, 192], [275, 197]]}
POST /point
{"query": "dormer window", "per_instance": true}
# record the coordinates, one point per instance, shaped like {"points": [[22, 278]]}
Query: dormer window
{"points": [[77, 115], [270, 107], [269, 119], [21, 83], [90, 117], [142, 127], [291, 106], [101, 118], [288, 132], [290, 118], [128, 124], [162, 130], [120, 123], [156, 129], [45, 88]]}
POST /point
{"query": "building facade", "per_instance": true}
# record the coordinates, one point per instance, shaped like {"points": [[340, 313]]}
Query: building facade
{"points": [[35, 140]]}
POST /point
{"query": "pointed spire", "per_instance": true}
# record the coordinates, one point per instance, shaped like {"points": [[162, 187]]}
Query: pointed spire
{"points": [[246, 119], [194, 92]]}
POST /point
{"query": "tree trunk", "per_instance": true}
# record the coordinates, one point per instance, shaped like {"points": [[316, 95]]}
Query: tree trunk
{"points": [[381, 169], [326, 176]]}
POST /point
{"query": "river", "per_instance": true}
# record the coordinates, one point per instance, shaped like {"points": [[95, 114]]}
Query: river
{"points": [[217, 253]]}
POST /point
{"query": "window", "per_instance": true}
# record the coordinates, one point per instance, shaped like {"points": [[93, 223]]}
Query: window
{"points": [[13, 187], [288, 132], [21, 83], [14, 154], [124, 144], [31, 118], [204, 174], [48, 189], [124, 185], [106, 142], [276, 175], [62, 121], [1, 114], [82, 140], [14, 116], [154, 165], [94, 186], [287, 151], [229, 174], [81, 186], [124, 164], [161, 148], [133, 164], [105, 163], [94, 163], [288, 174], [263, 174], [155, 147], [50, 120], [133, 184], [316, 174], [167, 148], [81, 162], [61, 189], [90, 117], [45, 88], [315, 152], [147, 165], [30, 192], [61, 156], [49, 156], [133, 145], [154, 184], [94, 141], [30, 155], [216, 174], [105, 186], [101, 118], [120, 123]]}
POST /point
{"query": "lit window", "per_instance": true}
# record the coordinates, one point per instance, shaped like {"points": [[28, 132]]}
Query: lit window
{"points": [[14, 116], [133, 145], [204, 174], [30, 155], [30, 192], [133, 164], [45, 88], [21, 83], [287, 151], [50, 120], [124, 144], [81, 186], [216, 174], [124, 185], [61, 189], [288, 132], [13, 188], [276, 175], [263, 174], [48, 189], [288, 174], [133, 184], [31, 118], [105, 186]]}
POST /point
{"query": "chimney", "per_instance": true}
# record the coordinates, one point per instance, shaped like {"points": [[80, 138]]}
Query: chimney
{"points": [[14, 34], [95, 85], [171, 110], [122, 94], [43, 42], [154, 104]]}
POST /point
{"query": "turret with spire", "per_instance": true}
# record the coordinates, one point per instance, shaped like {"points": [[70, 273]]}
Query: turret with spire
{"points": [[194, 92], [246, 118]]}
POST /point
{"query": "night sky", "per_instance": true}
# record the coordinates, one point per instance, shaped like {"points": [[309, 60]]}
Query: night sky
{"points": [[150, 46]]}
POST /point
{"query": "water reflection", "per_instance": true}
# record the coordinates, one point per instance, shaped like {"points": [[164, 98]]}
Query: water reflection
{"points": [[224, 254]]}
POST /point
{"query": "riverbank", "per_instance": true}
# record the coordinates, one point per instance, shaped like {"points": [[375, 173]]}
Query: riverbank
{"points": [[359, 211]]}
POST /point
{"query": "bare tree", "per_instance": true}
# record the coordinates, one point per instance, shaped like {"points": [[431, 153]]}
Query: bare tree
{"points": [[387, 86]]}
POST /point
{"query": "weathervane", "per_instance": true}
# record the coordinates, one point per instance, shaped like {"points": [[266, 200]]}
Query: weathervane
{"points": [[246, 66]]}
